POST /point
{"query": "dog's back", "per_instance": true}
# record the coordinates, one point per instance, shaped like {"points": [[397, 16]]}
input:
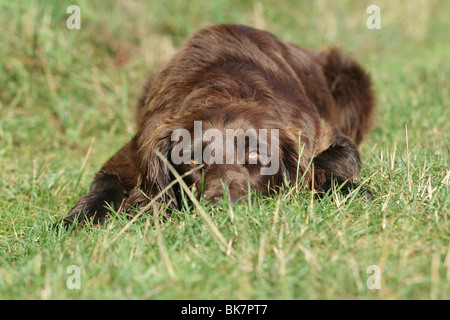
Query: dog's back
{"points": [[260, 62]]}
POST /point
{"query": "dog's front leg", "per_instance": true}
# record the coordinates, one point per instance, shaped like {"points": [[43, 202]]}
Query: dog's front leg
{"points": [[111, 186]]}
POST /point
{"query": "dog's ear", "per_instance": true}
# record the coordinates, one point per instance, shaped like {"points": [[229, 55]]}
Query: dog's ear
{"points": [[333, 158], [154, 177], [294, 144], [337, 160]]}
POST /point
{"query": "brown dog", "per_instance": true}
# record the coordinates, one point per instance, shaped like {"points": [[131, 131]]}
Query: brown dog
{"points": [[234, 88]]}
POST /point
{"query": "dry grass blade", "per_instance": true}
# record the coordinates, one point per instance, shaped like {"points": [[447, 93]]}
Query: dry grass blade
{"points": [[152, 202], [161, 246], [407, 160], [218, 237]]}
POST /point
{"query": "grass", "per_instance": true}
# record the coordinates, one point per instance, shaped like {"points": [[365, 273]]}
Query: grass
{"points": [[66, 105]]}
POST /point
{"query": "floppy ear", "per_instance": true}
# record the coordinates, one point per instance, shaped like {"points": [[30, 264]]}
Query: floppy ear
{"points": [[292, 145], [335, 158], [339, 162], [154, 177]]}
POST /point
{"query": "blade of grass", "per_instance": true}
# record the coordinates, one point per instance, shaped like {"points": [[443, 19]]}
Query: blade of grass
{"points": [[219, 238]]}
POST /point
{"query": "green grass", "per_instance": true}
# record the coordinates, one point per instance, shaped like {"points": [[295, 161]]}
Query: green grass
{"points": [[66, 105]]}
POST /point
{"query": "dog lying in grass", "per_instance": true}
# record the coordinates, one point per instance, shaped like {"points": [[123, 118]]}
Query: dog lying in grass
{"points": [[238, 109]]}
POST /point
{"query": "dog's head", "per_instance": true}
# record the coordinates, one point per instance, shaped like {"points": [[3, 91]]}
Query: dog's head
{"points": [[236, 147]]}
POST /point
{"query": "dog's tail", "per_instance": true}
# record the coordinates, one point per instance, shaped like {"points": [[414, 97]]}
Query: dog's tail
{"points": [[351, 88]]}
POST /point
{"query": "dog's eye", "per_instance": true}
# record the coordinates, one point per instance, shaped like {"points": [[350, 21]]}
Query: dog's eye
{"points": [[253, 154]]}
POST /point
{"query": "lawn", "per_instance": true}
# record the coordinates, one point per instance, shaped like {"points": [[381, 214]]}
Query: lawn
{"points": [[67, 104]]}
